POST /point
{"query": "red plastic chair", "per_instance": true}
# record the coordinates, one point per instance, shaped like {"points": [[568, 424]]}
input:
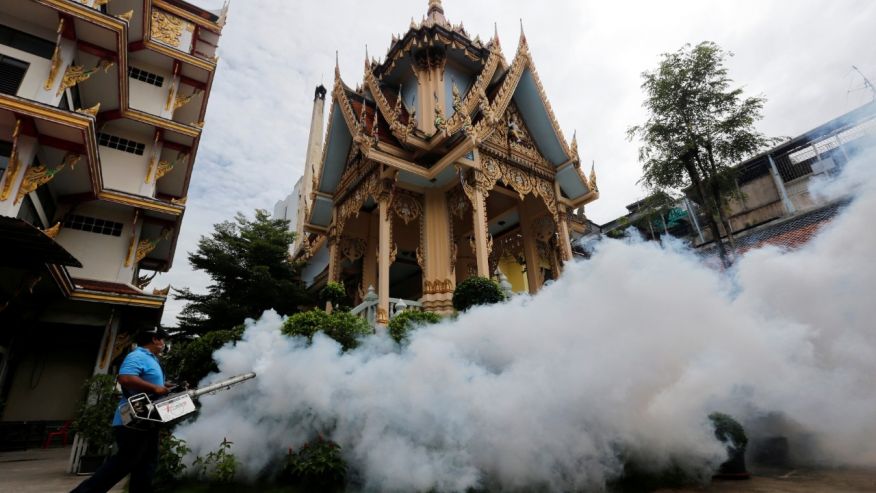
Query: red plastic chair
{"points": [[60, 432]]}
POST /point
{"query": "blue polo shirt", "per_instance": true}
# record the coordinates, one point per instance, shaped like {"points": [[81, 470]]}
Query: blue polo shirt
{"points": [[139, 363]]}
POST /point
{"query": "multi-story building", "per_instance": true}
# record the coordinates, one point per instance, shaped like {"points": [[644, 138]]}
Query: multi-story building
{"points": [[101, 111], [445, 162]]}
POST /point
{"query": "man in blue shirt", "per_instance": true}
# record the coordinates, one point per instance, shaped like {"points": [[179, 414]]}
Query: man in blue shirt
{"points": [[137, 449]]}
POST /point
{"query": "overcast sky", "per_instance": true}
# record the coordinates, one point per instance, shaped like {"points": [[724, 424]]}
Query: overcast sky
{"points": [[589, 56]]}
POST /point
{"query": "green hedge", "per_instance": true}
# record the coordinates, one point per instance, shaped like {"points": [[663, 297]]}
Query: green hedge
{"points": [[403, 323], [343, 327], [476, 291]]}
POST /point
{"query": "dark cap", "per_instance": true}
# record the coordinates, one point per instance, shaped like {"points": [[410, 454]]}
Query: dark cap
{"points": [[146, 336]]}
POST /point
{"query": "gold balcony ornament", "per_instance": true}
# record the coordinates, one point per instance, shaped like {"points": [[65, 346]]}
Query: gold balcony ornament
{"points": [[143, 281], [92, 112], [168, 29], [165, 167], [593, 186], [37, 176], [12, 167], [180, 201], [161, 292], [100, 3], [198, 124], [53, 231], [56, 59], [145, 247], [152, 163], [127, 16], [77, 73], [181, 101]]}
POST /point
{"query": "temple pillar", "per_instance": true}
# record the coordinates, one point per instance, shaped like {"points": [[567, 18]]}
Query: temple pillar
{"points": [[438, 278], [530, 245], [383, 254], [480, 232], [564, 239], [332, 240], [369, 261]]}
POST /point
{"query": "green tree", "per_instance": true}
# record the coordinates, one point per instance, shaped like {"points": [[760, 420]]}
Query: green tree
{"points": [[697, 128], [251, 271], [342, 326], [191, 359]]}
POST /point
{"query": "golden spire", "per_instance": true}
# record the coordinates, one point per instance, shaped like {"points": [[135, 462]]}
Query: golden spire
{"points": [[574, 147], [436, 13], [593, 187]]}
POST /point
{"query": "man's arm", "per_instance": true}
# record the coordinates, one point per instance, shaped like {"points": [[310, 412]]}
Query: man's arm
{"points": [[133, 382]]}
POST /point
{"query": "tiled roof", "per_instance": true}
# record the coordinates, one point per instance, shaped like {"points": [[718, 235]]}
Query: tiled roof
{"points": [[792, 232]]}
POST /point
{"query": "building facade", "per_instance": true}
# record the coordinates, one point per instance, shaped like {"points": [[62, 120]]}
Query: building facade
{"points": [[445, 162], [102, 107]]}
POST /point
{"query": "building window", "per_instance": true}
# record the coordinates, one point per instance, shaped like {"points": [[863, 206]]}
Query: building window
{"points": [[121, 144], [147, 77], [26, 42], [11, 74], [93, 225], [5, 152]]}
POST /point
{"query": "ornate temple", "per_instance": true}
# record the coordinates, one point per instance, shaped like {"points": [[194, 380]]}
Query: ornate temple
{"points": [[446, 161], [102, 107]]}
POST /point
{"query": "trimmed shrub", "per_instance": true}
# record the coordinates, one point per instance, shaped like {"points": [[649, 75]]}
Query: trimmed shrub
{"points": [[343, 327], [476, 291], [728, 430], [403, 323], [316, 463]]}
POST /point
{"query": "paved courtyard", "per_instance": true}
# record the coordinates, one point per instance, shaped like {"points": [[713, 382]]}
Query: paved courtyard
{"points": [[39, 471], [43, 471]]}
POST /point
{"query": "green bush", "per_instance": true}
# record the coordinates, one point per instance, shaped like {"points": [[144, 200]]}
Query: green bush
{"points": [[191, 360], [335, 293], [171, 467], [403, 323], [95, 413], [316, 462], [476, 291], [343, 327], [219, 465]]}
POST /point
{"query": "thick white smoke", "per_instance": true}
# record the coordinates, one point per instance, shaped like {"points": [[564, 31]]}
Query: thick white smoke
{"points": [[626, 354]]}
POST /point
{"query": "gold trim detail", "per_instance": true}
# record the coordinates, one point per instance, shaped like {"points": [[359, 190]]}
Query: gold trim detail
{"points": [[127, 16], [56, 59], [53, 231], [181, 101], [181, 201], [37, 176], [92, 112], [382, 317], [12, 168], [161, 292], [437, 286]]}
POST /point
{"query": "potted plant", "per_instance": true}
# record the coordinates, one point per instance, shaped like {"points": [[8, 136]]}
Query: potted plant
{"points": [[93, 421]]}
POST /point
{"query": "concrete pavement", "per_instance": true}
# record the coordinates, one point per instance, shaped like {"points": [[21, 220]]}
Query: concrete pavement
{"points": [[39, 471]]}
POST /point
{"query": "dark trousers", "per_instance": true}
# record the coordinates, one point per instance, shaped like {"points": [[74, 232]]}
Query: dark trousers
{"points": [[137, 456]]}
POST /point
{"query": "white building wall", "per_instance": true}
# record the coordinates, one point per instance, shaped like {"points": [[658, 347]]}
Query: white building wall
{"points": [[102, 256], [150, 98], [33, 85], [124, 171]]}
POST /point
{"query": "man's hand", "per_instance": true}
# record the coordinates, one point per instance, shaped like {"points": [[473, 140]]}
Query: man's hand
{"points": [[160, 390]]}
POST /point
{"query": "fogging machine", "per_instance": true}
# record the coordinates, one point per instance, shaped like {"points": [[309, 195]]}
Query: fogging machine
{"points": [[140, 411]]}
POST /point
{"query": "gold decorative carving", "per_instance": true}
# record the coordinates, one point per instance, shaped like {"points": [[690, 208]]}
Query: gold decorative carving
{"points": [[593, 186], [12, 168], [143, 281], [165, 167], [123, 342], [152, 163], [100, 3], [145, 247], [407, 207], [544, 228], [53, 231], [132, 244], [161, 292], [92, 112], [179, 201], [168, 28], [56, 59], [352, 248], [77, 73], [181, 101], [438, 286], [198, 124], [382, 316], [37, 176], [127, 16]]}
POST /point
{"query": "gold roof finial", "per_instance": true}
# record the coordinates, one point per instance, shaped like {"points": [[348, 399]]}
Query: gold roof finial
{"points": [[436, 13], [592, 180], [574, 146]]}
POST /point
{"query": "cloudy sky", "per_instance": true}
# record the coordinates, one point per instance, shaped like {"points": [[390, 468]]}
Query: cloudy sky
{"points": [[589, 54]]}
